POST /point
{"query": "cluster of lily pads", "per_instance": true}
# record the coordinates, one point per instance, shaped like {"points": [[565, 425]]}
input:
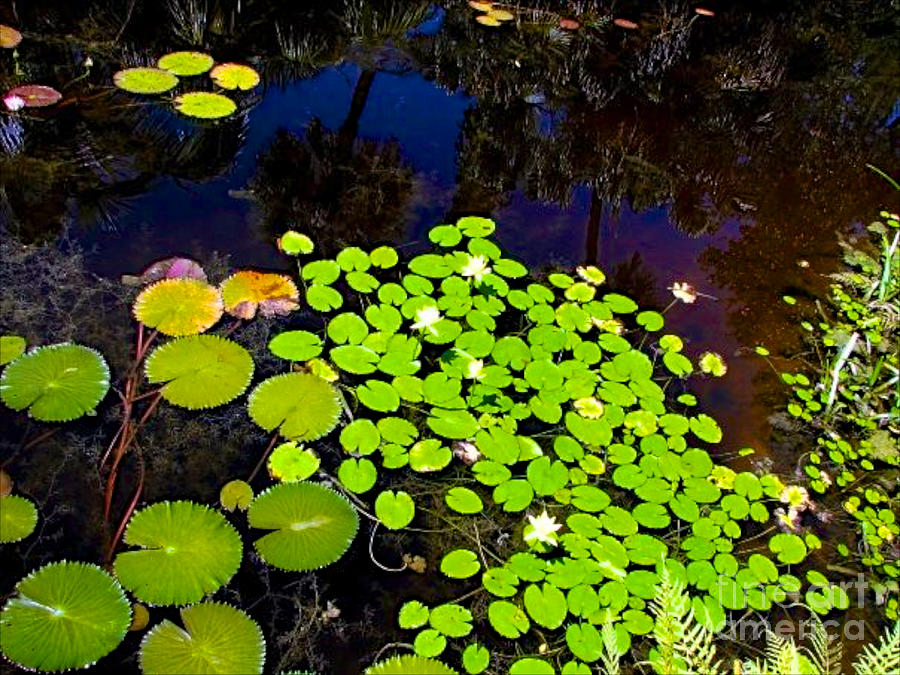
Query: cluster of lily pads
{"points": [[24, 95], [554, 399], [187, 64], [852, 400]]}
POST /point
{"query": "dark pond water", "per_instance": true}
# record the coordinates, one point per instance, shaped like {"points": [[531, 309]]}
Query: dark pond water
{"points": [[728, 152]]}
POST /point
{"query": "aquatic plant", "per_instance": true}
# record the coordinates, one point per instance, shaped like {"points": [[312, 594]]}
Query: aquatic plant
{"points": [[179, 306], [186, 64], [234, 76], [290, 462], [18, 518], [34, 95], [63, 615], [185, 551], [247, 291], [299, 405], [236, 494], [200, 371], [312, 526], [11, 348], [145, 80], [55, 383], [216, 638], [205, 105], [9, 37], [409, 665]]}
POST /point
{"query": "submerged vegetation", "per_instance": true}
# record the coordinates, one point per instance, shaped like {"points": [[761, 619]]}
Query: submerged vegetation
{"points": [[553, 408]]}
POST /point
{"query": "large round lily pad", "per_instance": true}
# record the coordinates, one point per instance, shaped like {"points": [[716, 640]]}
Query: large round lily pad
{"points": [[186, 64], [216, 638], [36, 95], [312, 526], [300, 405], [57, 383], [234, 76], [179, 306], [65, 615], [185, 551], [205, 105]]}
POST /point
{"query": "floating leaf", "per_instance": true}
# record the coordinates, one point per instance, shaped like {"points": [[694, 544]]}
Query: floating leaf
{"points": [[706, 428], [546, 605], [323, 298], [296, 345], [413, 614], [409, 664], [235, 494], [456, 424], [245, 291], [56, 383], [460, 564], [11, 348], [395, 509], [200, 371], [65, 615], [18, 517], [312, 526], [290, 462], [179, 306], [35, 95], [712, 364], [168, 268], [429, 642], [186, 551], [429, 455], [145, 80], [204, 105], [451, 620], [299, 405], [9, 37], [487, 20], [531, 666], [295, 243], [378, 395], [216, 638], [789, 548], [464, 500], [234, 76], [186, 64], [475, 658], [140, 617], [508, 619], [357, 475]]}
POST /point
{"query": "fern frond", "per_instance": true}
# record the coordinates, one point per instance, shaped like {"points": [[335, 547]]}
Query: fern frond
{"points": [[611, 654], [751, 668], [670, 608], [883, 659], [782, 655], [827, 651], [697, 650]]}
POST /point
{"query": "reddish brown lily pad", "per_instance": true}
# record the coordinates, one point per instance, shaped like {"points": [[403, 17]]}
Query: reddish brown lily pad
{"points": [[702, 11], [9, 37], [36, 95], [626, 24], [569, 24]]}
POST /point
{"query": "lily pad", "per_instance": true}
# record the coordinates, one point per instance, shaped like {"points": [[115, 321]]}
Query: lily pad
{"points": [[216, 638], [312, 526], [409, 664], [290, 462], [56, 383], [395, 509], [296, 345], [186, 64], [299, 405], [236, 494], [35, 95], [65, 615], [246, 291], [9, 37], [18, 517], [145, 80], [200, 371], [460, 563], [205, 105], [185, 552], [234, 76], [179, 307], [11, 348]]}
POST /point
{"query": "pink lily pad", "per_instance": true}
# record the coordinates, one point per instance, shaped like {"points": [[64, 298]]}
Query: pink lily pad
{"points": [[36, 95], [169, 268]]}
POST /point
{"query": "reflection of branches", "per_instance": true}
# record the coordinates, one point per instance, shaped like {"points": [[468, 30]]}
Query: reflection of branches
{"points": [[189, 19]]}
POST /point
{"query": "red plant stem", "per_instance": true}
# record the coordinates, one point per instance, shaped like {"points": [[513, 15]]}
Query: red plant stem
{"points": [[139, 489], [262, 460]]}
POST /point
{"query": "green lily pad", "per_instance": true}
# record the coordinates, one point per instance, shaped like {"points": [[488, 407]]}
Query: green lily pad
{"points": [[145, 80], [395, 509], [18, 518], [291, 462], [184, 552], [300, 405], [464, 500], [460, 563], [475, 658], [205, 105], [378, 395], [11, 348], [452, 620], [508, 619], [296, 345], [186, 64], [413, 614], [357, 475], [57, 383], [312, 526], [216, 638], [429, 642], [546, 605], [409, 664], [64, 615]]}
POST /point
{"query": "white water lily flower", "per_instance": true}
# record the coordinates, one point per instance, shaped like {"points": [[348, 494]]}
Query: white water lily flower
{"points": [[683, 291], [475, 369], [13, 102], [426, 318], [476, 266], [542, 528]]}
